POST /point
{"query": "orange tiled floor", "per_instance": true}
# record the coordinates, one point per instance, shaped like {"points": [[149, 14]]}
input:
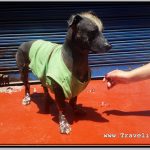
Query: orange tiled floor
{"points": [[125, 109]]}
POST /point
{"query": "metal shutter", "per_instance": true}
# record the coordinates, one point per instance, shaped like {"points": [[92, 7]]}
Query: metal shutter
{"points": [[127, 27]]}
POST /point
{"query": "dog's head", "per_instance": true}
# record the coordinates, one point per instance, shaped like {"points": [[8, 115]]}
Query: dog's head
{"points": [[85, 30]]}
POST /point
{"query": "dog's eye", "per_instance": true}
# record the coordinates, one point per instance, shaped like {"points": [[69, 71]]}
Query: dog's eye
{"points": [[91, 37], [95, 31]]}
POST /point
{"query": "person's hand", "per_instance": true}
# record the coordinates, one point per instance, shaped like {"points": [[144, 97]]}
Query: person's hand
{"points": [[115, 77]]}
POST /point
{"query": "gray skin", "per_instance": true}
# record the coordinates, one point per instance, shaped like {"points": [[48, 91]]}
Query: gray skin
{"points": [[82, 36]]}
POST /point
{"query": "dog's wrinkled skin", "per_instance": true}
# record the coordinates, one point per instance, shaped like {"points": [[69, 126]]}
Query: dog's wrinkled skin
{"points": [[84, 35]]}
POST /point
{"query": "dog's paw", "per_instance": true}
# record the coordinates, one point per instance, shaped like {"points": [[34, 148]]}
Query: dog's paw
{"points": [[64, 125], [26, 100]]}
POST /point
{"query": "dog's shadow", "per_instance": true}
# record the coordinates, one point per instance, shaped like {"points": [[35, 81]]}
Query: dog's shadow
{"points": [[45, 108], [129, 113]]}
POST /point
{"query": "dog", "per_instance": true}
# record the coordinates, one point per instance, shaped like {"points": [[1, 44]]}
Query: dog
{"points": [[63, 67], [4, 80]]}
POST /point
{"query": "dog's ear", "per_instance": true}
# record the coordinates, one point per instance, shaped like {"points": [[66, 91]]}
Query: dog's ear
{"points": [[74, 20]]}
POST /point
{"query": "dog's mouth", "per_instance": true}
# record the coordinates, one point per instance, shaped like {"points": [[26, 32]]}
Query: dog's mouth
{"points": [[104, 49], [93, 52], [99, 52]]}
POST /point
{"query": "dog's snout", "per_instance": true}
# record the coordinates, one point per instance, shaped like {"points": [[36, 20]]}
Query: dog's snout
{"points": [[108, 46]]}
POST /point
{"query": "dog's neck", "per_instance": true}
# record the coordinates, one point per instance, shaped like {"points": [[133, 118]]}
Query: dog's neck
{"points": [[76, 61]]}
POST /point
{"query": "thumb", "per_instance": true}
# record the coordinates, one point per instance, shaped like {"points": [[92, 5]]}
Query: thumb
{"points": [[104, 79]]}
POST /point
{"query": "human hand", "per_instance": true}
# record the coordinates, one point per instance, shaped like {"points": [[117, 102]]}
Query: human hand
{"points": [[115, 77]]}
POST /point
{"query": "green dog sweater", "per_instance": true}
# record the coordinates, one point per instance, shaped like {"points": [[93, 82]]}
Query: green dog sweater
{"points": [[46, 63]]}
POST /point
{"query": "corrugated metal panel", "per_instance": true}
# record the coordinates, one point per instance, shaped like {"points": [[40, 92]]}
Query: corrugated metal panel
{"points": [[127, 27]]}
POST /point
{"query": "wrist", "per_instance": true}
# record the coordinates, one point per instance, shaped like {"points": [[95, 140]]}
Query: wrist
{"points": [[128, 76], [131, 76]]}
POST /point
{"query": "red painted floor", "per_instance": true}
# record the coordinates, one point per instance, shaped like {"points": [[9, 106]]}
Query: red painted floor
{"points": [[123, 110]]}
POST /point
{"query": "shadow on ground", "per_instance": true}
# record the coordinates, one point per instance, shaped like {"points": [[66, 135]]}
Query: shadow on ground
{"points": [[47, 108]]}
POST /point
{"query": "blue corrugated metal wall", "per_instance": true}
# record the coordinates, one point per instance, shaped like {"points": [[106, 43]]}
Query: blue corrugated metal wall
{"points": [[127, 27]]}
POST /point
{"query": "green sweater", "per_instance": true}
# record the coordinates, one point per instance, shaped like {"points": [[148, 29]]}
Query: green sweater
{"points": [[47, 63]]}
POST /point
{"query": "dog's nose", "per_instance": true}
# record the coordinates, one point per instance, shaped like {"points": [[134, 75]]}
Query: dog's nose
{"points": [[108, 46]]}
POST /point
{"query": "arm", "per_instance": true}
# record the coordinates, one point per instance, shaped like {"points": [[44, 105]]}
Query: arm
{"points": [[140, 73], [118, 76]]}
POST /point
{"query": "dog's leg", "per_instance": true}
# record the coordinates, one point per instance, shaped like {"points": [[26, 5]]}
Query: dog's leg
{"points": [[22, 60], [24, 78], [60, 101], [76, 109]]}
